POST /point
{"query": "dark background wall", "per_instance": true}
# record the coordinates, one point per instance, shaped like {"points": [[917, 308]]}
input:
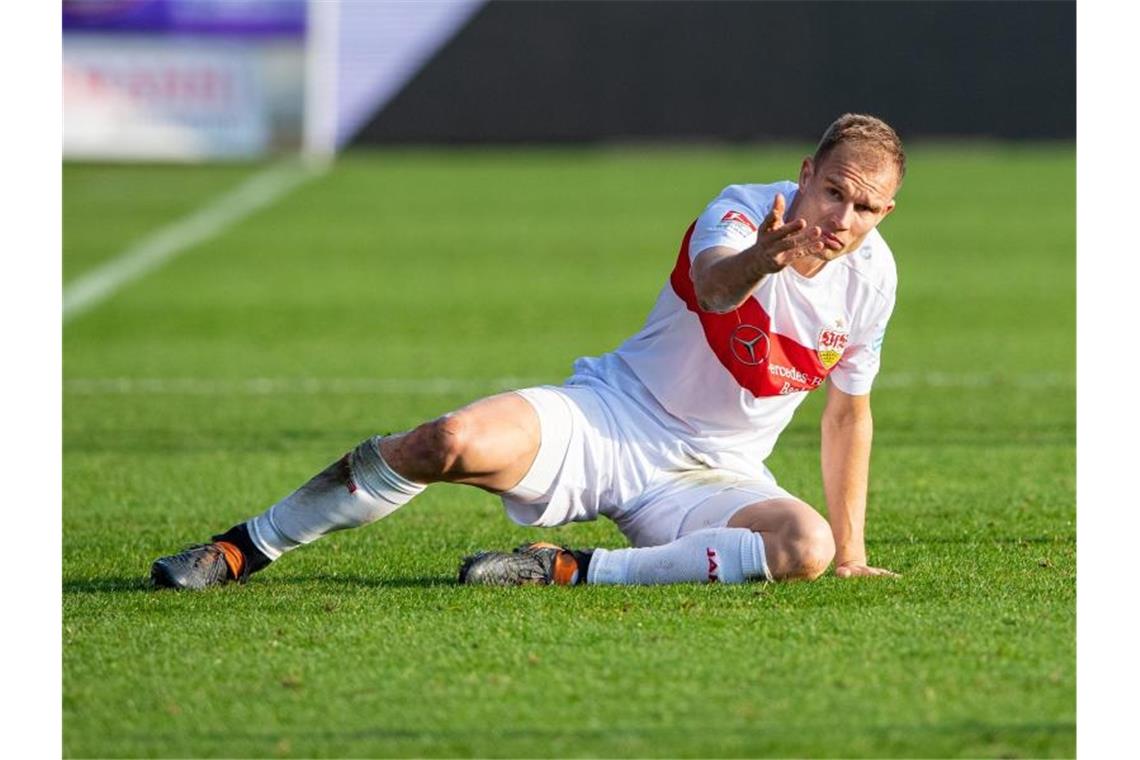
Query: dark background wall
{"points": [[544, 71]]}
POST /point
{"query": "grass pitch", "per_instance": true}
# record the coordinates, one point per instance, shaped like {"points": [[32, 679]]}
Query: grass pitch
{"points": [[405, 283]]}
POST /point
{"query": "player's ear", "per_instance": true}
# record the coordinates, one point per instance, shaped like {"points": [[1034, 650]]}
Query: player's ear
{"points": [[807, 169], [888, 208]]}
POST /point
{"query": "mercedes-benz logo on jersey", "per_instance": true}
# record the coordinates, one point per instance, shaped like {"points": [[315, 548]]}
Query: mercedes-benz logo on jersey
{"points": [[749, 344]]}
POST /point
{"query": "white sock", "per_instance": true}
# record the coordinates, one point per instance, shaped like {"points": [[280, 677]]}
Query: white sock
{"points": [[727, 555], [357, 489]]}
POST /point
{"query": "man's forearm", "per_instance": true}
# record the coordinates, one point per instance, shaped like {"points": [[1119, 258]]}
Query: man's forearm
{"points": [[845, 458], [732, 279]]}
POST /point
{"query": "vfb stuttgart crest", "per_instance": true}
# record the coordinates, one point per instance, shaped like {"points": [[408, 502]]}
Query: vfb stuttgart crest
{"points": [[830, 346], [749, 344]]}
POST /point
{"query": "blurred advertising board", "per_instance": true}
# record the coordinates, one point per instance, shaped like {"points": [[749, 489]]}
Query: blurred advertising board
{"points": [[182, 79], [267, 18]]}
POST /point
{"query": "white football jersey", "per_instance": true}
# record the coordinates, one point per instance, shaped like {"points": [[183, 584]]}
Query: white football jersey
{"points": [[729, 383]]}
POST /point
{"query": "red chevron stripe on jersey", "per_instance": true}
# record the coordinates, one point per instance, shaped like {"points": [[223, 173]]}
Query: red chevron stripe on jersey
{"points": [[763, 362]]}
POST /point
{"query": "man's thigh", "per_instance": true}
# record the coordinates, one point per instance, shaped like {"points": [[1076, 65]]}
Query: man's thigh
{"points": [[502, 435], [584, 466], [687, 502], [776, 515], [490, 443]]}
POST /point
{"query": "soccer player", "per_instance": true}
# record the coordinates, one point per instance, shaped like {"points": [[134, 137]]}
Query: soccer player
{"points": [[777, 288]]}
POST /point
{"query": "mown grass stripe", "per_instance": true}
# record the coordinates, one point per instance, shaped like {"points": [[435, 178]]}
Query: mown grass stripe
{"points": [[442, 386]]}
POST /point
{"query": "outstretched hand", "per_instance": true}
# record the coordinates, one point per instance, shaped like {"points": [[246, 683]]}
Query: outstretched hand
{"points": [[782, 243], [860, 570]]}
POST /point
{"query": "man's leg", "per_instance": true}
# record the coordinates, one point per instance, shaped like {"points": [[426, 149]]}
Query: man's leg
{"points": [[784, 536], [797, 540], [742, 529], [490, 443], [776, 539]]}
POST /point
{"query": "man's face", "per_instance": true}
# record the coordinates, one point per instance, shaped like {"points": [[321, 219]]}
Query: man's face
{"points": [[846, 196]]}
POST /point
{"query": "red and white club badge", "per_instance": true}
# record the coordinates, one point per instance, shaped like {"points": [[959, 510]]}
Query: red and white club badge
{"points": [[830, 345]]}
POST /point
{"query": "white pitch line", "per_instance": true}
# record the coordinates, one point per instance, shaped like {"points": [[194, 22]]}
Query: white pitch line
{"points": [[442, 386], [140, 258]]}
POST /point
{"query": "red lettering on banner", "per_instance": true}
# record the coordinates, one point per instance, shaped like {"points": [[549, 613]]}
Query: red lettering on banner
{"points": [[769, 375], [190, 86], [714, 576]]}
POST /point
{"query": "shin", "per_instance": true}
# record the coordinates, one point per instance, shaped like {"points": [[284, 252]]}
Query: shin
{"points": [[358, 489], [727, 555]]}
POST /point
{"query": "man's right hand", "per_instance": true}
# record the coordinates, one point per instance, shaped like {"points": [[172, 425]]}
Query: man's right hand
{"points": [[779, 244], [723, 278]]}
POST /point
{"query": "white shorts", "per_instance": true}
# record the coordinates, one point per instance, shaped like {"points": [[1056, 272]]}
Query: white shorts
{"points": [[603, 453]]}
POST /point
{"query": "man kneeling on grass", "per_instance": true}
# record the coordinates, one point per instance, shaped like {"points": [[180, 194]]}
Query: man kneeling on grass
{"points": [[666, 435]]}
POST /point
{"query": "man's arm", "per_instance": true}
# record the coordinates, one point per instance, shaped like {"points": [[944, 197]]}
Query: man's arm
{"points": [[723, 277], [845, 458]]}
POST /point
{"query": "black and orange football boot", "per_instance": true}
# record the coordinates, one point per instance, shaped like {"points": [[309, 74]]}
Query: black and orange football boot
{"points": [[231, 558], [540, 564], [200, 566]]}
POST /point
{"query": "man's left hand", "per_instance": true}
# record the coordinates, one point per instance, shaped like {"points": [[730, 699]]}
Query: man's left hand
{"points": [[860, 569]]}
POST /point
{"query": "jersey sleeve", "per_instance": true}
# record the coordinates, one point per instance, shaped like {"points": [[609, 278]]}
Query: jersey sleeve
{"points": [[734, 216], [855, 373], [728, 221]]}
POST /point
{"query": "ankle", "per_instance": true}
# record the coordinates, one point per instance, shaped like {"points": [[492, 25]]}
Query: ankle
{"points": [[242, 555], [582, 557]]}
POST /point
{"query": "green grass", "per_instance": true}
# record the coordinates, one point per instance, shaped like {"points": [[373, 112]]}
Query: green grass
{"points": [[485, 265]]}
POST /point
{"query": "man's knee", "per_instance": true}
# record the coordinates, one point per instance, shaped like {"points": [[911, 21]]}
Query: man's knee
{"points": [[813, 549], [803, 548], [437, 447], [797, 540], [490, 443]]}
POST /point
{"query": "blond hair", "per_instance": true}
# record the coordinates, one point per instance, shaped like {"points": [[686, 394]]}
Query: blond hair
{"points": [[871, 137]]}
